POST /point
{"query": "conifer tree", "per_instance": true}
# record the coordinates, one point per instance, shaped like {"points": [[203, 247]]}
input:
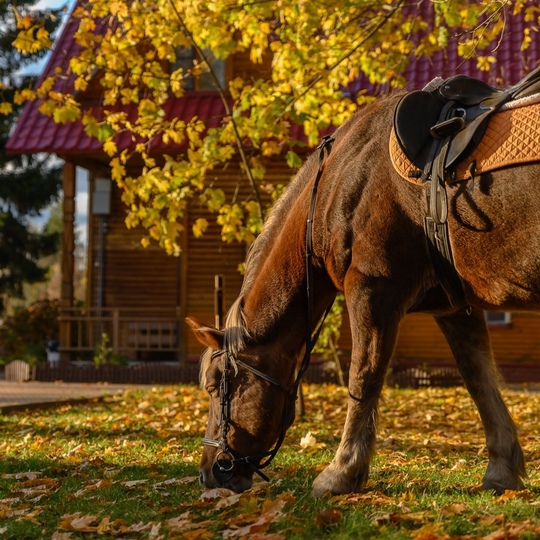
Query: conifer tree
{"points": [[28, 183]]}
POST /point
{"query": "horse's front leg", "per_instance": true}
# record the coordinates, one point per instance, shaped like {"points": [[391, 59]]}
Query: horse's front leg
{"points": [[468, 338], [374, 332]]}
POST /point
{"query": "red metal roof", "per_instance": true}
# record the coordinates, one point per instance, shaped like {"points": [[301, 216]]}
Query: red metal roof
{"points": [[512, 64], [37, 133]]}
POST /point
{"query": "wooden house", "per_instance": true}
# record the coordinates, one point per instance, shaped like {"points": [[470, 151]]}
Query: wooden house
{"points": [[139, 296]]}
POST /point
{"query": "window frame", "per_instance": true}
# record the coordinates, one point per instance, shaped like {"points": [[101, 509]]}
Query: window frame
{"points": [[186, 58], [500, 318]]}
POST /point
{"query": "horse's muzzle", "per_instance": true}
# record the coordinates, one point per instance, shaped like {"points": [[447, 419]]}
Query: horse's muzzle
{"points": [[223, 469], [225, 475]]}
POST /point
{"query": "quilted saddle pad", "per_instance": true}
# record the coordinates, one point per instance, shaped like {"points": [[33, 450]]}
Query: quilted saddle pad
{"points": [[512, 138]]}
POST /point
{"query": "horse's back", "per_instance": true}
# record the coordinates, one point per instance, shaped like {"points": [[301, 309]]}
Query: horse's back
{"points": [[374, 219]]}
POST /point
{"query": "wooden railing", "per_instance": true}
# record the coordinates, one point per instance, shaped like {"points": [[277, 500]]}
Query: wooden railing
{"points": [[131, 333]]}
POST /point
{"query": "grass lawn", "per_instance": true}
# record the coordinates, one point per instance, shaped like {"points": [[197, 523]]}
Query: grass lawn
{"points": [[126, 467]]}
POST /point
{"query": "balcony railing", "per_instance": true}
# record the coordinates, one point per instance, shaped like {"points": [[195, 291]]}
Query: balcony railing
{"points": [[132, 333]]}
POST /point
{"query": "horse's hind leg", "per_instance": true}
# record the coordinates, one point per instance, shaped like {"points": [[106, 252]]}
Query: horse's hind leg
{"points": [[468, 338]]}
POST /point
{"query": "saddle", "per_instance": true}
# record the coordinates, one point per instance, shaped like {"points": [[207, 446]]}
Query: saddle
{"points": [[436, 128], [458, 108]]}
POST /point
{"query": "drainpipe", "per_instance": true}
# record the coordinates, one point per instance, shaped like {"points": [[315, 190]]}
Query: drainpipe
{"points": [[101, 206]]}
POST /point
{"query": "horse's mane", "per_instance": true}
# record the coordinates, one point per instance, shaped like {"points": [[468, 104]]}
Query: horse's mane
{"points": [[236, 330]]}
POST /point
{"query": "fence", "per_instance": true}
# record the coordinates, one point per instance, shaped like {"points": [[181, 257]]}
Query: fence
{"points": [[18, 371], [147, 373], [413, 375], [444, 374]]}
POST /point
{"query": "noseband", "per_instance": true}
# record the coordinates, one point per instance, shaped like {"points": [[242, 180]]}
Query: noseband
{"points": [[227, 458]]}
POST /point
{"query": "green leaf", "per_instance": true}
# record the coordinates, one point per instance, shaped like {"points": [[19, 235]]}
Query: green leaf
{"points": [[294, 161], [104, 132]]}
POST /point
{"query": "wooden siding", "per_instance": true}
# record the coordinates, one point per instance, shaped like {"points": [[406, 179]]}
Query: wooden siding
{"points": [[134, 276], [145, 278], [209, 255], [148, 279], [520, 341], [240, 65], [142, 278], [421, 339], [206, 257]]}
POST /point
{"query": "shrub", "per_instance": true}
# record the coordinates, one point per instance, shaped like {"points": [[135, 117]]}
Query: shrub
{"points": [[24, 335]]}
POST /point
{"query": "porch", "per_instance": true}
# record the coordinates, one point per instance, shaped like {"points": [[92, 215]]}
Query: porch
{"points": [[128, 334]]}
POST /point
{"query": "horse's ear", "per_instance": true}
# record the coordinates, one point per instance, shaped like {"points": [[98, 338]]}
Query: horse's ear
{"points": [[207, 335]]}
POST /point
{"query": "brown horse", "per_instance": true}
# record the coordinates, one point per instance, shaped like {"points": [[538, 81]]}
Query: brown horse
{"points": [[369, 242]]}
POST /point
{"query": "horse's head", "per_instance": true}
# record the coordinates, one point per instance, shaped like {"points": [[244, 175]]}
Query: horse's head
{"points": [[251, 406]]}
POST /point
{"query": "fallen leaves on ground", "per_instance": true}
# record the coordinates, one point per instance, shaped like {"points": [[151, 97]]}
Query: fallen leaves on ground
{"points": [[127, 467]]}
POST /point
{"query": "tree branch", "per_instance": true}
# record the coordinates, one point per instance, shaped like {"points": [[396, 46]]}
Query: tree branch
{"points": [[228, 110], [319, 78]]}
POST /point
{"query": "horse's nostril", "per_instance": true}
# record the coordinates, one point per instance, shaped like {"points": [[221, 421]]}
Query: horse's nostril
{"points": [[202, 478]]}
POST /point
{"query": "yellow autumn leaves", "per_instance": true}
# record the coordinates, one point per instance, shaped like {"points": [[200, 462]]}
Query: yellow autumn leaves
{"points": [[302, 53], [32, 35]]}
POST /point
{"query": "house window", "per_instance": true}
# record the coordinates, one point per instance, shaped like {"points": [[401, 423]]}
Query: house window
{"points": [[185, 59], [498, 318]]}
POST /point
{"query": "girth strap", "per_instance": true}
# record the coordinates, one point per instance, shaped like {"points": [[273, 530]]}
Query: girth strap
{"points": [[436, 222]]}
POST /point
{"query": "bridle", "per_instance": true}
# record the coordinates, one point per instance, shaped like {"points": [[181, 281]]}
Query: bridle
{"points": [[227, 458]]}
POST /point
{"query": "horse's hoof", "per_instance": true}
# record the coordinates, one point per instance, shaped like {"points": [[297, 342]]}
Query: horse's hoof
{"points": [[331, 483], [498, 487]]}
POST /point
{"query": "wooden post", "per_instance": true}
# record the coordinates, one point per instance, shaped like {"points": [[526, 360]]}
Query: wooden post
{"points": [[116, 330], [68, 248], [218, 300]]}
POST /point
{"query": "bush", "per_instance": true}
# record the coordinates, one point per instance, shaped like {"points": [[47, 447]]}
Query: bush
{"points": [[24, 335]]}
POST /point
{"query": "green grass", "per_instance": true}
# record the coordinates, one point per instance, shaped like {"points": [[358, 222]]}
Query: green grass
{"points": [[126, 467]]}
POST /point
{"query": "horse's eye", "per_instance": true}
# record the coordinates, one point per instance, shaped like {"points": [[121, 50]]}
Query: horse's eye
{"points": [[213, 391]]}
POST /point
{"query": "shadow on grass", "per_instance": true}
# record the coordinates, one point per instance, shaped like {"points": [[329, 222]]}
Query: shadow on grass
{"points": [[37, 495]]}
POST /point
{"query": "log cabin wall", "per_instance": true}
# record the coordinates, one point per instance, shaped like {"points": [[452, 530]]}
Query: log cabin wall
{"points": [[134, 277], [421, 340], [139, 277], [148, 282], [240, 65], [147, 278], [209, 255]]}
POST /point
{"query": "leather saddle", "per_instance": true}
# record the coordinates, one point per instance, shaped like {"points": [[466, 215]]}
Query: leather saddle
{"points": [[436, 128], [457, 109]]}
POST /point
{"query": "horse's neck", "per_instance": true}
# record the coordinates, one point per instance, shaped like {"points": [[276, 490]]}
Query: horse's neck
{"points": [[276, 305]]}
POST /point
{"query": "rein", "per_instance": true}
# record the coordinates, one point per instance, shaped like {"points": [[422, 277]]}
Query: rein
{"points": [[227, 458]]}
